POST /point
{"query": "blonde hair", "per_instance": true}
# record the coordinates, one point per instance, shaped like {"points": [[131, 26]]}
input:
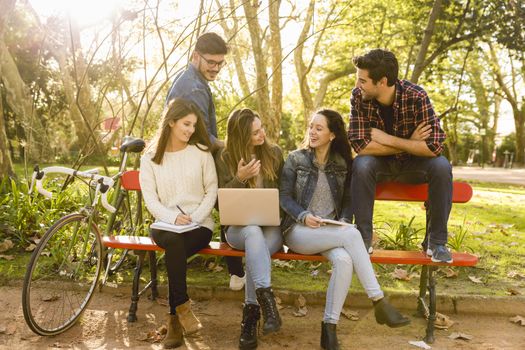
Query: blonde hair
{"points": [[238, 142]]}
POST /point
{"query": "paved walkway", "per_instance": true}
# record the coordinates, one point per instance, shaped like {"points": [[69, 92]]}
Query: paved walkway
{"points": [[488, 174]]}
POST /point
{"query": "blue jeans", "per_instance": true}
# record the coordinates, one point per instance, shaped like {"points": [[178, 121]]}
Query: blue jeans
{"points": [[343, 246], [437, 172], [259, 243]]}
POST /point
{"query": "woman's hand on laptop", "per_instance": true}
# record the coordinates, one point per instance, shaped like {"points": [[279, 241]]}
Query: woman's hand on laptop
{"points": [[183, 219], [246, 171]]}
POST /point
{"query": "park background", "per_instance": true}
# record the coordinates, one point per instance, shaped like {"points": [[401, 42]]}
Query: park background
{"points": [[77, 76]]}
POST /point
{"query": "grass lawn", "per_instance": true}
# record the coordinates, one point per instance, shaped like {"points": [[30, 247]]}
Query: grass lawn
{"points": [[494, 223]]}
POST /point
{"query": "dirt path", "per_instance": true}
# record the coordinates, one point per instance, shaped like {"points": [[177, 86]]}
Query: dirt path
{"points": [[104, 326]]}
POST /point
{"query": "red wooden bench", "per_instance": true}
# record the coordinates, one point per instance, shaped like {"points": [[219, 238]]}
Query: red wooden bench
{"points": [[393, 191]]}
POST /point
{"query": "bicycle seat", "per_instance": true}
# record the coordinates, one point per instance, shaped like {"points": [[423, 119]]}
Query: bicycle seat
{"points": [[132, 144]]}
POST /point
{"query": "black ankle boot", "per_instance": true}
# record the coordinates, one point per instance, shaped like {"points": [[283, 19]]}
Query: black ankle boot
{"points": [[387, 314], [250, 319], [271, 318], [329, 336]]}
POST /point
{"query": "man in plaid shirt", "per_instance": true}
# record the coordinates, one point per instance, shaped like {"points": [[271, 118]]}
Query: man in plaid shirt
{"points": [[397, 136]]}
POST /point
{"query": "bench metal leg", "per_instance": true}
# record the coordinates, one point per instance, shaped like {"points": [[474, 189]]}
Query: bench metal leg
{"points": [[132, 315], [153, 272], [422, 308], [429, 337]]}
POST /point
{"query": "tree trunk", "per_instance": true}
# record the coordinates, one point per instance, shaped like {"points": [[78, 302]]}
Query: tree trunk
{"points": [[425, 41], [263, 93], [300, 67], [519, 122], [231, 34], [518, 110], [18, 96], [277, 73], [6, 167]]}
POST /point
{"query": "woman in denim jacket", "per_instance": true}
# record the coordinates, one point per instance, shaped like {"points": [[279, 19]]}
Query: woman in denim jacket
{"points": [[315, 185], [250, 161]]}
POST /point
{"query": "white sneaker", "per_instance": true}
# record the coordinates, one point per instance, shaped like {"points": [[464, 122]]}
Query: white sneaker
{"points": [[236, 282]]}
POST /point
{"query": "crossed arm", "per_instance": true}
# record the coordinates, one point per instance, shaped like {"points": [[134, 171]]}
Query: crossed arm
{"points": [[383, 144]]}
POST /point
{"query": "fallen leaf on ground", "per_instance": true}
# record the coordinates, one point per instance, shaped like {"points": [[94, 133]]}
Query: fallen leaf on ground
{"points": [[31, 247], [515, 274], [278, 301], [475, 279], [300, 304], [351, 315], [329, 272], [518, 320], [10, 329], [450, 273], [154, 336], [282, 263], [401, 274], [35, 239], [61, 346], [513, 291], [420, 344], [7, 257], [6, 245], [314, 273], [315, 266], [462, 336], [443, 321], [300, 312], [162, 301], [50, 297]]}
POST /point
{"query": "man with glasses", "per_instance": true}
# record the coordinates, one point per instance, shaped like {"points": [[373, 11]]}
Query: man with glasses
{"points": [[192, 83]]}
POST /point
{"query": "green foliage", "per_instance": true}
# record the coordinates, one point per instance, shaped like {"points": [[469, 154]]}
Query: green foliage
{"points": [[457, 237], [24, 216], [399, 236]]}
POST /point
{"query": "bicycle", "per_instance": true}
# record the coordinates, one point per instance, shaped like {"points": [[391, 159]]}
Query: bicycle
{"points": [[65, 267]]}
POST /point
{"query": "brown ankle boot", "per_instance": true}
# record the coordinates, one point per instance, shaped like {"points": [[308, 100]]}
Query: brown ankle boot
{"points": [[173, 337], [190, 324]]}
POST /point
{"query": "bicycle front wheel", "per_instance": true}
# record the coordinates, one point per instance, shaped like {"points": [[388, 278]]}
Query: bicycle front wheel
{"points": [[62, 275]]}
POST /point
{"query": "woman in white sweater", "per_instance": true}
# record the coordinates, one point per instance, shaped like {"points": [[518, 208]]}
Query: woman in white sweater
{"points": [[179, 185]]}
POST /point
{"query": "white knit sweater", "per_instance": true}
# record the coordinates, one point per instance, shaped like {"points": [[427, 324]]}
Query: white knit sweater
{"points": [[186, 178]]}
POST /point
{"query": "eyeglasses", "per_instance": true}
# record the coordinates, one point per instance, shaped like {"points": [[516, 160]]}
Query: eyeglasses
{"points": [[213, 63]]}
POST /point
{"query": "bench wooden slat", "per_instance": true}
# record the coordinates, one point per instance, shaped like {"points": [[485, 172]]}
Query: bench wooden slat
{"points": [[396, 191], [391, 191], [223, 249]]}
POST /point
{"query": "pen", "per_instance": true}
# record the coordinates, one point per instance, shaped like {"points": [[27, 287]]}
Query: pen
{"points": [[182, 211]]}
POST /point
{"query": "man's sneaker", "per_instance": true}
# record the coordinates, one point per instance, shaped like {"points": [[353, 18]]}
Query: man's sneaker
{"points": [[439, 253], [236, 282]]}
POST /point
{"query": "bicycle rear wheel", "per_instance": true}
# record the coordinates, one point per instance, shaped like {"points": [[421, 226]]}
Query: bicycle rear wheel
{"points": [[62, 275]]}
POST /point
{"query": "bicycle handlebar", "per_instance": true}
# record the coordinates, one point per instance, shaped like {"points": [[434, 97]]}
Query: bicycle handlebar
{"points": [[104, 183]]}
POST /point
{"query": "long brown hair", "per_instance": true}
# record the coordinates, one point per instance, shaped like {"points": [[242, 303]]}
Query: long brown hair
{"points": [[238, 142], [175, 110]]}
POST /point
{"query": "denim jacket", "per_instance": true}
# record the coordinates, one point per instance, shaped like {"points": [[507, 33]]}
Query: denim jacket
{"points": [[298, 182], [191, 85]]}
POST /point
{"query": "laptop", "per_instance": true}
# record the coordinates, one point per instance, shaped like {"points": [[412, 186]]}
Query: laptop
{"points": [[249, 206]]}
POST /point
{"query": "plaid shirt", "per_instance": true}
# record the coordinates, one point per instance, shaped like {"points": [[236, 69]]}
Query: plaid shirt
{"points": [[411, 107]]}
